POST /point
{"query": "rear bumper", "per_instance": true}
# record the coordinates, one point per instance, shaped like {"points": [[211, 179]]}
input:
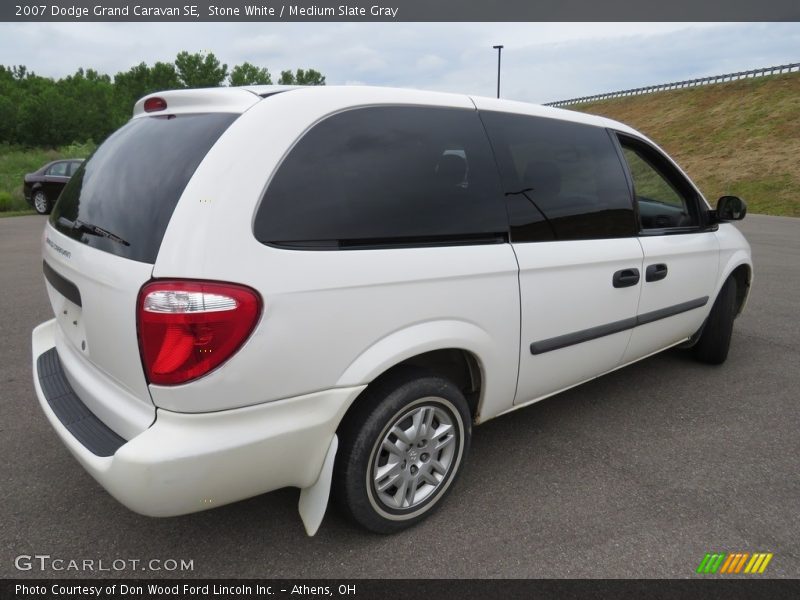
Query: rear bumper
{"points": [[183, 462]]}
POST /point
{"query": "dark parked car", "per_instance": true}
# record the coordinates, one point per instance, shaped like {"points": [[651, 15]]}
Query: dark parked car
{"points": [[43, 187]]}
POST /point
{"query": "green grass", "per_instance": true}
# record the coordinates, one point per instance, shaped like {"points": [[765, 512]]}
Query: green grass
{"points": [[16, 161], [740, 138]]}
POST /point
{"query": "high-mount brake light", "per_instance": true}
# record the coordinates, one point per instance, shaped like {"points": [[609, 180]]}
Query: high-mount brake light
{"points": [[154, 104], [188, 328]]}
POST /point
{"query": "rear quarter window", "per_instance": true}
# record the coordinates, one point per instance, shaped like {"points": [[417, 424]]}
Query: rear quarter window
{"points": [[387, 175], [131, 184]]}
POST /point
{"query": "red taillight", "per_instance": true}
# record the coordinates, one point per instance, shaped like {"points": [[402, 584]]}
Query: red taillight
{"points": [[155, 104], [187, 328]]}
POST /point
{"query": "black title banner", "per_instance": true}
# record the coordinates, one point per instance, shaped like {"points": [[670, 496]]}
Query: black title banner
{"points": [[399, 10]]}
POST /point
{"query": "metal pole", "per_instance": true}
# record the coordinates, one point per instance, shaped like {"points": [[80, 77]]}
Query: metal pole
{"points": [[499, 51]]}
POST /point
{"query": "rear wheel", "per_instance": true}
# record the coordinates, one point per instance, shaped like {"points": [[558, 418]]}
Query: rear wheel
{"points": [[401, 450], [40, 202], [715, 339]]}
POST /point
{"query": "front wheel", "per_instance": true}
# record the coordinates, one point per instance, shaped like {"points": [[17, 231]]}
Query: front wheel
{"points": [[40, 202], [401, 450]]}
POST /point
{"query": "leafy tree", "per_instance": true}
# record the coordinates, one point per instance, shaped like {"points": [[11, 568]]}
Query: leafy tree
{"points": [[87, 105], [41, 117], [302, 77], [200, 70], [287, 78], [248, 74], [163, 76], [29, 118], [309, 77], [140, 81], [8, 104], [20, 72]]}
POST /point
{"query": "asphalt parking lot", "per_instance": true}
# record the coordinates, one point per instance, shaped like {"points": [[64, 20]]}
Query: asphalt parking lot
{"points": [[636, 474]]}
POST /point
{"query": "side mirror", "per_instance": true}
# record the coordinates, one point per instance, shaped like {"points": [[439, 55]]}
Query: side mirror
{"points": [[731, 208]]}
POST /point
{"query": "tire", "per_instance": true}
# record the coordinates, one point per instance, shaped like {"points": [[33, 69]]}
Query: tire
{"points": [[715, 340], [387, 482], [40, 202]]}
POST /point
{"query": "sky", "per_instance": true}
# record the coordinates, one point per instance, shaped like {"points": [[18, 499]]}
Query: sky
{"points": [[541, 62]]}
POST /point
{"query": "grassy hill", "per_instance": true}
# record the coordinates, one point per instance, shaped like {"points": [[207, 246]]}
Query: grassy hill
{"points": [[740, 137]]}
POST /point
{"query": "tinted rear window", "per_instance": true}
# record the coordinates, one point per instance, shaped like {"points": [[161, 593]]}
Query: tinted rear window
{"points": [[131, 184], [391, 175]]}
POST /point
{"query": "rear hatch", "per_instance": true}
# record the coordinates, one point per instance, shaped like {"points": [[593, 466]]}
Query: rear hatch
{"points": [[103, 238]]}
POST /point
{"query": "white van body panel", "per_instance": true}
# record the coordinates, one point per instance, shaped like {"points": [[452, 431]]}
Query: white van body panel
{"points": [[565, 288]]}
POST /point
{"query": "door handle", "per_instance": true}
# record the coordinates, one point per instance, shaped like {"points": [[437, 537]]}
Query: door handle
{"points": [[625, 278], [655, 272]]}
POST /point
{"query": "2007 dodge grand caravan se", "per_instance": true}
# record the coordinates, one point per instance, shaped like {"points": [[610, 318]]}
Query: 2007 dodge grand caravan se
{"points": [[326, 287]]}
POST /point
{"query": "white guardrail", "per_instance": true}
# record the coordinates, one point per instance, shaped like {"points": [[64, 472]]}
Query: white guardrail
{"points": [[681, 84]]}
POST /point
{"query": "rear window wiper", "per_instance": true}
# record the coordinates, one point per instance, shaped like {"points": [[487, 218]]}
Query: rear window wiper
{"points": [[83, 227]]}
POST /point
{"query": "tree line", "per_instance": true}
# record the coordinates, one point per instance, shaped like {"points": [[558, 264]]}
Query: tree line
{"points": [[88, 106]]}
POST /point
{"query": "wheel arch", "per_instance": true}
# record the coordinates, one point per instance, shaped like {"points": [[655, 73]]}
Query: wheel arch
{"points": [[742, 272], [452, 349]]}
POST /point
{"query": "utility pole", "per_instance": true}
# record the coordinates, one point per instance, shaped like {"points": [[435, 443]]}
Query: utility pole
{"points": [[499, 52]]}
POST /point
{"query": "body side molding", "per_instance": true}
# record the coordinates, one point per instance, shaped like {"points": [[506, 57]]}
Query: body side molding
{"points": [[586, 335]]}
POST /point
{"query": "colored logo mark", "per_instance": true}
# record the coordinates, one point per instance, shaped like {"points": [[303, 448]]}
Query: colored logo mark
{"points": [[734, 562]]}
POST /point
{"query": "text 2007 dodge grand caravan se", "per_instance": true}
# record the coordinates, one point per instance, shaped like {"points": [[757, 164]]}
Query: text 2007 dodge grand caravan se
{"points": [[326, 287]]}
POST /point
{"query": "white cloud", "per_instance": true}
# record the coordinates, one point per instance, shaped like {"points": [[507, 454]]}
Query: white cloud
{"points": [[430, 62], [360, 58], [268, 43]]}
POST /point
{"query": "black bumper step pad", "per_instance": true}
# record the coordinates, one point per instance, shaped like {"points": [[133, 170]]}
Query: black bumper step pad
{"points": [[71, 411]]}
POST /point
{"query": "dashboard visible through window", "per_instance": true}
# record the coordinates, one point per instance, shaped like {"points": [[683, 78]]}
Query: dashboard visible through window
{"points": [[664, 199]]}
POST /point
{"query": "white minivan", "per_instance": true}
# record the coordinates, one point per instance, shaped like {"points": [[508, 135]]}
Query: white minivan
{"points": [[326, 287]]}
